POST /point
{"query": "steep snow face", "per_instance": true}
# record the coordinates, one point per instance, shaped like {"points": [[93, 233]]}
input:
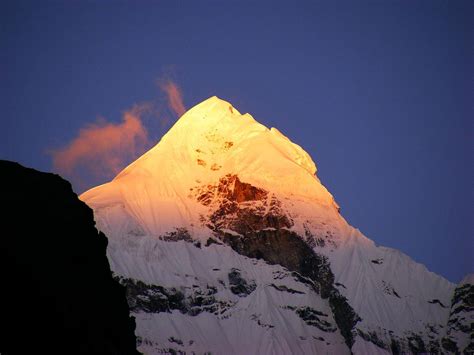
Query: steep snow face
{"points": [[210, 299], [403, 306], [221, 175]]}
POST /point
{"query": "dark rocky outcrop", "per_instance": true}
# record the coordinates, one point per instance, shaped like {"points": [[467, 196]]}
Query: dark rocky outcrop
{"points": [[449, 345], [142, 297], [240, 207], [238, 285], [283, 288], [436, 301], [395, 347], [58, 295], [373, 338], [416, 344], [313, 318], [256, 317], [463, 300], [180, 234], [147, 298], [345, 316], [260, 229], [287, 249], [460, 323], [389, 289]]}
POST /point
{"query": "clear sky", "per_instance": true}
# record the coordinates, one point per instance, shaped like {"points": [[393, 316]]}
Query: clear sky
{"points": [[379, 93]]}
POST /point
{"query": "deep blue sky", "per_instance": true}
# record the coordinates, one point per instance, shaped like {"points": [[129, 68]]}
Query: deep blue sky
{"points": [[379, 93]]}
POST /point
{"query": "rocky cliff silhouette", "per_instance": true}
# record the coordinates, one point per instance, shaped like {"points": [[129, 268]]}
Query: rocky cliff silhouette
{"points": [[58, 295]]}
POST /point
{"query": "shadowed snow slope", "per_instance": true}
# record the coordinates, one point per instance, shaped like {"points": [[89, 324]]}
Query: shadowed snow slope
{"points": [[220, 191]]}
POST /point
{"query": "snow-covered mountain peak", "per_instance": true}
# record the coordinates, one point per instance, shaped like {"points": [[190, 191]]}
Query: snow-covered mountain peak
{"points": [[209, 142], [207, 114], [223, 228], [214, 104], [215, 127], [214, 135]]}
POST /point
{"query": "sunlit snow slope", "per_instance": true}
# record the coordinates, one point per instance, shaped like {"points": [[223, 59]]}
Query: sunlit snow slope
{"points": [[203, 230]]}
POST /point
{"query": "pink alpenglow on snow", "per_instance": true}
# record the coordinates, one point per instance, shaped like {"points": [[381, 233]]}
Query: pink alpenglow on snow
{"points": [[197, 217]]}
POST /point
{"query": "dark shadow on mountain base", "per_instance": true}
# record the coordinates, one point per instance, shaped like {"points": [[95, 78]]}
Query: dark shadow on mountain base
{"points": [[58, 295]]}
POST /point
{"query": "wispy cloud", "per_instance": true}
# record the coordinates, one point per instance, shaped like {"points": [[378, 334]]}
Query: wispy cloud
{"points": [[104, 148], [174, 96]]}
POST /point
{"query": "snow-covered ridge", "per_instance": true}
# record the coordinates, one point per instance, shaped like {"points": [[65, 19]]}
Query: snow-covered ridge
{"points": [[468, 279]]}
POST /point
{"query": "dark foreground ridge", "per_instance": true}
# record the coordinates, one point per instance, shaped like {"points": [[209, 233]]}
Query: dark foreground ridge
{"points": [[58, 295]]}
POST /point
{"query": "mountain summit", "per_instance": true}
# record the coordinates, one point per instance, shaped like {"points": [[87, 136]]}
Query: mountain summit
{"points": [[228, 243], [208, 142]]}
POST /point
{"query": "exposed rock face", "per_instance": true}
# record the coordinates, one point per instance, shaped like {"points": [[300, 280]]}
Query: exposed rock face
{"points": [[262, 234], [241, 207], [460, 329], [239, 286], [314, 318], [157, 299], [58, 295], [285, 248]]}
